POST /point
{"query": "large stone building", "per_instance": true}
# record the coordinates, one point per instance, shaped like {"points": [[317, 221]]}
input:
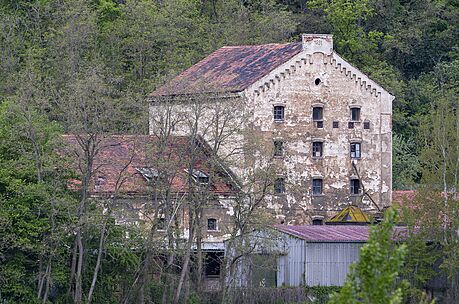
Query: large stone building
{"points": [[323, 125]]}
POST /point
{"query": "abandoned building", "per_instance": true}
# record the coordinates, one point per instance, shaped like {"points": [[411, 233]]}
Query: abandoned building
{"points": [[150, 183], [299, 108]]}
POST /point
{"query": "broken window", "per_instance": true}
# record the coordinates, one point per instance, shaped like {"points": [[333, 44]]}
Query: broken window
{"points": [[149, 173], [355, 114], [317, 113], [279, 185], [278, 148], [317, 186], [211, 224], [317, 148], [335, 125], [355, 186], [279, 113], [355, 150], [200, 176]]}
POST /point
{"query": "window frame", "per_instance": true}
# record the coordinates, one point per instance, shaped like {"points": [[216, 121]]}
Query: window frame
{"points": [[321, 108], [319, 186], [316, 144], [278, 148], [279, 110], [352, 186], [279, 186], [355, 110], [215, 223], [354, 152]]}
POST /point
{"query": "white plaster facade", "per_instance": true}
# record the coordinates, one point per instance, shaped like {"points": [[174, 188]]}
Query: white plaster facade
{"points": [[315, 77]]}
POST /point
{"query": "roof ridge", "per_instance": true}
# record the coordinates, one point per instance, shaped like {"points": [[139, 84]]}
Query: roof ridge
{"points": [[251, 45]]}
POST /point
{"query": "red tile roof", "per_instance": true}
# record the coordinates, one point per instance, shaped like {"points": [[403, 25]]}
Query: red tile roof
{"points": [[230, 69], [123, 155]]}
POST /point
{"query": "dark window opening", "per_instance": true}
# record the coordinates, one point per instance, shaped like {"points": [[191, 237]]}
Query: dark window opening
{"points": [[317, 113], [355, 186], [279, 185], [317, 149], [355, 150], [320, 124], [213, 262], [335, 124], [366, 125], [350, 125], [278, 148], [317, 186], [279, 113], [211, 224], [161, 225], [355, 114], [317, 81], [317, 222]]}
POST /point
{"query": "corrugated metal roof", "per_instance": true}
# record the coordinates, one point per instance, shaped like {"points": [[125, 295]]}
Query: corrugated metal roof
{"points": [[327, 233], [229, 69]]}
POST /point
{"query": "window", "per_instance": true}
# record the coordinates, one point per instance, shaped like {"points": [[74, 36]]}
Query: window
{"points": [[335, 124], [317, 221], [278, 113], [148, 173], [211, 224], [355, 114], [320, 124], [200, 176], [279, 185], [278, 148], [356, 150], [355, 186], [317, 186], [350, 125], [366, 125], [317, 81], [317, 113], [317, 149], [161, 225]]}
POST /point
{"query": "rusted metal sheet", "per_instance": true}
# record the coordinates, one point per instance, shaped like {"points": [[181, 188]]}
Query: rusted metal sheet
{"points": [[229, 69]]}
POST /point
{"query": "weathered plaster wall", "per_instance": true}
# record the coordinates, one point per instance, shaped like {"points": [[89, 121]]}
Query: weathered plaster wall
{"points": [[293, 86]]}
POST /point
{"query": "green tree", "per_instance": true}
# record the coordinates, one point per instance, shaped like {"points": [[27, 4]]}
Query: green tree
{"points": [[374, 279]]}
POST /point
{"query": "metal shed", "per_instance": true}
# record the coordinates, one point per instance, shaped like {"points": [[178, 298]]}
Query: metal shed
{"points": [[307, 256]]}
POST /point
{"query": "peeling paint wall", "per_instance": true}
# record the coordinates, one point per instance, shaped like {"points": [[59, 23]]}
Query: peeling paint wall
{"points": [[295, 86]]}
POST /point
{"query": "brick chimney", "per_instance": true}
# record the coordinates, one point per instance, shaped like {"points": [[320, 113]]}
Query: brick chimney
{"points": [[317, 43]]}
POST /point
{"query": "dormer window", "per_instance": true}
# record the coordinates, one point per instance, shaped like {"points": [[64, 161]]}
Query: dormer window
{"points": [[200, 176], [278, 113], [148, 173], [355, 114]]}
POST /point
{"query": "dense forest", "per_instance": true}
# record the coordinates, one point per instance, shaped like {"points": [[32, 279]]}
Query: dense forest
{"points": [[59, 58]]}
